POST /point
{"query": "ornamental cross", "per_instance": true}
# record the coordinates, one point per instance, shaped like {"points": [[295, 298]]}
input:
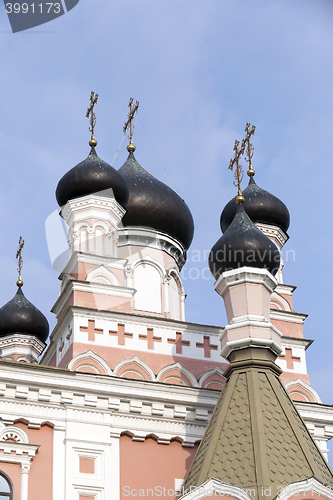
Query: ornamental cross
{"points": [[130, 117], [19, 257], [249, 148], [239, 172], [91, 114]]}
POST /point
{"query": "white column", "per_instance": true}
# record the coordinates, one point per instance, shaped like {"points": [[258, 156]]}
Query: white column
{"points": [[182, 306], [76, 238], [115, 238], [129, 276], [25, 469], [91, 242], [107, 243], [166, 281]]}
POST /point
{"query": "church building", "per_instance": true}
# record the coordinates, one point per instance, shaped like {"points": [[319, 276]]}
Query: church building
{"points": [[125, 398]]}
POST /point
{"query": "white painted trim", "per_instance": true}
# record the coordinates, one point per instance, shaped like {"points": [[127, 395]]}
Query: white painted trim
{"points": [[137, 362], [90, 355], [215, 371], [175, 273], [144, 237], [114, 470], [214, 487], [182, 369], [310, 486], [250, 342], [22, 344], [245, 275], [141, 234], [59, 464], [290, 317], [273, 232], [285, 289], [15, 433], [281, 301], [102, 224], [147, 259], [88, 258], [105, 273], [306, 387], [98, 288]]}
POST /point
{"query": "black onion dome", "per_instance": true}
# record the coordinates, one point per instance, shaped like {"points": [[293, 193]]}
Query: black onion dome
{"points": [[243, 244], [20, 316], [154, 205], [260, 205], [91, 176]]}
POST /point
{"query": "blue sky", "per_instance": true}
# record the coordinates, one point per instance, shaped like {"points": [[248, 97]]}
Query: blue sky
{"points": [[201, 70]]}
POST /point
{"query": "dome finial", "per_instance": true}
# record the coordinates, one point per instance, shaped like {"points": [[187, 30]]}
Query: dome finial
{"points": [[249, 148], [131, 148], [20, 261], [239, 172], [91, 114]]}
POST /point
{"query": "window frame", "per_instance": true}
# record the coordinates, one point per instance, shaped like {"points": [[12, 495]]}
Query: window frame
{"points": [[9, 495]]}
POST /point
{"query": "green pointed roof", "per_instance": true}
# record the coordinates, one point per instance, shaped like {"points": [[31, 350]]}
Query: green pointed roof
{"points": [[256, 438]]}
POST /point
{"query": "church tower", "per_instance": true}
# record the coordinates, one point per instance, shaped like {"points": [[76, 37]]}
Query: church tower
{"points": [[121, 308], [256, 445], [23, 328]]}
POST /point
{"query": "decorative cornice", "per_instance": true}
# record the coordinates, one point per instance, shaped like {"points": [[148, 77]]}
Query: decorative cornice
{"points": [[244, 275], [148, 237], [291, 317], [296, 342], [88, 258], [89, 202], [285, 289], [273, 232], [21, 344], [93, 288]]}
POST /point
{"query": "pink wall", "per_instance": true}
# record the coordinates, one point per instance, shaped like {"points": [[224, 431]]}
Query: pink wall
{"points": [[40, 477], [148, 465]]}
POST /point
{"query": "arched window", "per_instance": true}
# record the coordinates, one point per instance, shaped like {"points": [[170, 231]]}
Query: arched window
{"points": [[6, 489], [147, 281]]}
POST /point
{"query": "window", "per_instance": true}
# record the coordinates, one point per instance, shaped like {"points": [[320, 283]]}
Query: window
{"points": [[6, 490], [147, 281]]}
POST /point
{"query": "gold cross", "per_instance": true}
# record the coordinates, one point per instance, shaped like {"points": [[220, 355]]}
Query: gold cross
{"points": [[20, 261], [90, 113], [130, 117], [239, 172], [249, 148]]}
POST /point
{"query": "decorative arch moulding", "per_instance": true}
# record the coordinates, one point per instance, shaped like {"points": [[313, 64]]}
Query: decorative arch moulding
{"points": [[135, 368]]}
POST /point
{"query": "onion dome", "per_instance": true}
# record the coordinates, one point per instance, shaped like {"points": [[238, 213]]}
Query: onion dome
{"points": [[153, 204], [91, 176], [260, 205], [22, 317], [243, 244]]}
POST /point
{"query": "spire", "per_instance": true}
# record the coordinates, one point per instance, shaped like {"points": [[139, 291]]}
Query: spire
{"points": [[19, 262], [129, 123], [255, 440], [243, 244], [91, 115]]}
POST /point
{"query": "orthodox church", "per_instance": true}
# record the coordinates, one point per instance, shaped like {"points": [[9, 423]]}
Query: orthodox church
{"points": [[127, 399]]}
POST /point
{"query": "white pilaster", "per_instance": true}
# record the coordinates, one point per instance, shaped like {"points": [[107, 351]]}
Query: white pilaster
{"points": [[25, 469]]}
